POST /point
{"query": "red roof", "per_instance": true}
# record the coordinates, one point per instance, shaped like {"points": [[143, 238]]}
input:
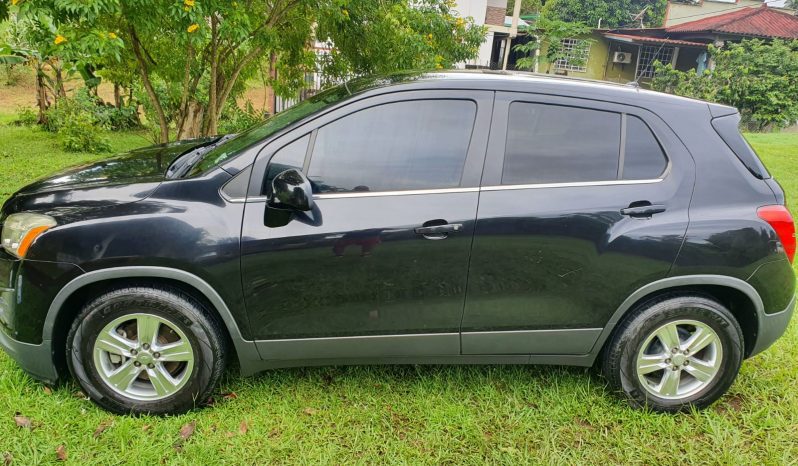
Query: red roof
{"points": [[758, 22], [652, 40]]}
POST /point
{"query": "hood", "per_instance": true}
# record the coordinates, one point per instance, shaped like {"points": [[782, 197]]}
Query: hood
{"points": [[124, 178]]}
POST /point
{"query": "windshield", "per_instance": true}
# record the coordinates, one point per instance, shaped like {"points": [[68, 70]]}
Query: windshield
{"points": [[272, 125]]}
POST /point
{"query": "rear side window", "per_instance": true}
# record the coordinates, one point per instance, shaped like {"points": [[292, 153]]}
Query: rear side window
{"points": [[557, 144], [560, 144], [727, 128], [643, 156], [398, 146]]}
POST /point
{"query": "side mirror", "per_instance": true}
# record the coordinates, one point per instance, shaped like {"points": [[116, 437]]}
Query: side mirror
{"points": [[291, 190]]}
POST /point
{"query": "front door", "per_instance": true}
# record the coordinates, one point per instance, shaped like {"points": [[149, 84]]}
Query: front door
{"points": [[382, 259], [582, 203]]}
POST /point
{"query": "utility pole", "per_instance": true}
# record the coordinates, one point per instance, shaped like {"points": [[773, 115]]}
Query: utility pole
{"points": [[513, 32]]}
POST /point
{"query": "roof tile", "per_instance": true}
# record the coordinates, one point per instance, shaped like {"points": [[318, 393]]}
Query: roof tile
{"points": [[757, 22]]}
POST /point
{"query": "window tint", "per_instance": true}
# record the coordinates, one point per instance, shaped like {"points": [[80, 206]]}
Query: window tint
{"points": [[288, 157], [556, 144], [392, 147], [643, 159]]}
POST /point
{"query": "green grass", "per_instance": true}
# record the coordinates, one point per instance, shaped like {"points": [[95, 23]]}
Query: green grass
{"points": [[407, 414]]}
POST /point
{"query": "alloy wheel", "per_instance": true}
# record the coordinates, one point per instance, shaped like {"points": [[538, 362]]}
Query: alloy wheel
{"points": [[143, 356], [679, 359]]}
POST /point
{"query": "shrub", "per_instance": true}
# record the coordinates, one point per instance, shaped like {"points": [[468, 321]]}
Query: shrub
{"points": [[235, 119], [80, 133], [104, 115], [25, 117], [756, 77]]}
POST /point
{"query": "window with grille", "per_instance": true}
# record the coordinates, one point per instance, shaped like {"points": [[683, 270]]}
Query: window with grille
{"points": [[648, 55], [576, 53]]}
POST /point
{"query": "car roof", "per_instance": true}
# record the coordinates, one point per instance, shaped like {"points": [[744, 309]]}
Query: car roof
{"points": [[519, 81]]}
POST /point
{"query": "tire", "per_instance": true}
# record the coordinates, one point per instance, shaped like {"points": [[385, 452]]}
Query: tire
{"points": [[123, 373], [638, 364]]}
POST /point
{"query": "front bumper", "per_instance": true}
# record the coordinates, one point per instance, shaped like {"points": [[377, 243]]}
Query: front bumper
{"points": [[26, 290], [772, 327], [36, 360]]}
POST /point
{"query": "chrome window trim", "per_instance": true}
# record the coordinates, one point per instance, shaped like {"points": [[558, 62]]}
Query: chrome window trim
{"points": [[410, 192], [417, 192], [569, 185]]}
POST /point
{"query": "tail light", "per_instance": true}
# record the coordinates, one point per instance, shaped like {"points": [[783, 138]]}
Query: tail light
{"points": [[780, 219]]}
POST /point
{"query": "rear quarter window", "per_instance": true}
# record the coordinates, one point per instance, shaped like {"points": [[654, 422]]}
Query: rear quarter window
{"points": [[727, 128]]}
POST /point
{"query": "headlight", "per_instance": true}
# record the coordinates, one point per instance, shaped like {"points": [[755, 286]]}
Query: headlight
{"points": [[20, 230]]}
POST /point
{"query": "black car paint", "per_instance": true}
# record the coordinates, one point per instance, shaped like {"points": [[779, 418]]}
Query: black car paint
{"points": [[355, 267]]}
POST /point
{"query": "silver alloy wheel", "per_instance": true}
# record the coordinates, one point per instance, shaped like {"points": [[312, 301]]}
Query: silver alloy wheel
{"points": [[143, 357], [679, 359]]}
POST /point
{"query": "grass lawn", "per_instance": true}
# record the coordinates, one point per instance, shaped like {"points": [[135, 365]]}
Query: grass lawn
{"points": [[405, 414]]}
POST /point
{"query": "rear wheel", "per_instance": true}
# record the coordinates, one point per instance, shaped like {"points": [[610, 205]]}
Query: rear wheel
{"points": [[146, 350], [674, 353]]}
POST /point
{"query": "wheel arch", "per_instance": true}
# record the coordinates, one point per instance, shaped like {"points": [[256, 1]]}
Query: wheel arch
{"points": [[738, 296], [65, 306]]}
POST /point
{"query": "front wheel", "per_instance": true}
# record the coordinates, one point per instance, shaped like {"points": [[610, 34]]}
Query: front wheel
{"points": [[675, 353], [146, 350]]}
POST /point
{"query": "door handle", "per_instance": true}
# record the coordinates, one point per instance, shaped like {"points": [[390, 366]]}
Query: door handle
{"points": [[438, 231], [646, 210]]}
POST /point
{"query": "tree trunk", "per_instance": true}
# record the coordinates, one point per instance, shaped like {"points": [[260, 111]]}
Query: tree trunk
{"points": [[145, 78], [191, 124], [41, 96], [117, 96], [211, 119], [59, 90]]}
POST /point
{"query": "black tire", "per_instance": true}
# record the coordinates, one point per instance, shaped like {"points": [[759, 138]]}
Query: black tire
{"points": [[619, 363], [205, 334]]}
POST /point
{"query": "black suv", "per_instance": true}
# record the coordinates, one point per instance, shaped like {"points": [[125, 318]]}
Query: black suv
{"points": [[452, 218]]}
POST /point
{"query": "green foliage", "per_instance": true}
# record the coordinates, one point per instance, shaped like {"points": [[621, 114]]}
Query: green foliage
{"points": [[193, 57], [550, 33], [386, 36], [85, 104], [755, 76], [25, 116], [528, 7], [235, 119], [612, 13], [80, 133]]}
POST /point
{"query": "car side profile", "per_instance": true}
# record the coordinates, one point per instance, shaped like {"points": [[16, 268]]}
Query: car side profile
{"points": [[432, 218]]}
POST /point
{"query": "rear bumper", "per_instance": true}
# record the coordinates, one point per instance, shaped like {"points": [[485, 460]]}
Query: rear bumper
{"points": [[36, 360], [772, 327]]}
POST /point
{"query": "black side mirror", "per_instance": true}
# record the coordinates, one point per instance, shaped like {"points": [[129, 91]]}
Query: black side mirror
{"points": [[291, 190]]}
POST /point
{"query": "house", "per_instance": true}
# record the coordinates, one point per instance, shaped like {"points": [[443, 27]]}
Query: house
{"points": [[623, 55], [492, 15], [684, 11]]}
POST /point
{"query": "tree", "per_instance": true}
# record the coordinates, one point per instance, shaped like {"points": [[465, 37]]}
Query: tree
{"points": [[528, 7], [35, 35], [612, 13], [549, 34], [193, 56], [755, 76]]}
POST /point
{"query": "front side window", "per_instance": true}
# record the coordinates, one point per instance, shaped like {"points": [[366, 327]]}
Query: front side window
{"points": [[419, 144], [558, 144], [576, 54]]}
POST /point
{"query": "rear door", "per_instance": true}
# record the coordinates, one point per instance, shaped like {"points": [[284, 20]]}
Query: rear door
{"points": [[582, 202], [379, 267]]}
